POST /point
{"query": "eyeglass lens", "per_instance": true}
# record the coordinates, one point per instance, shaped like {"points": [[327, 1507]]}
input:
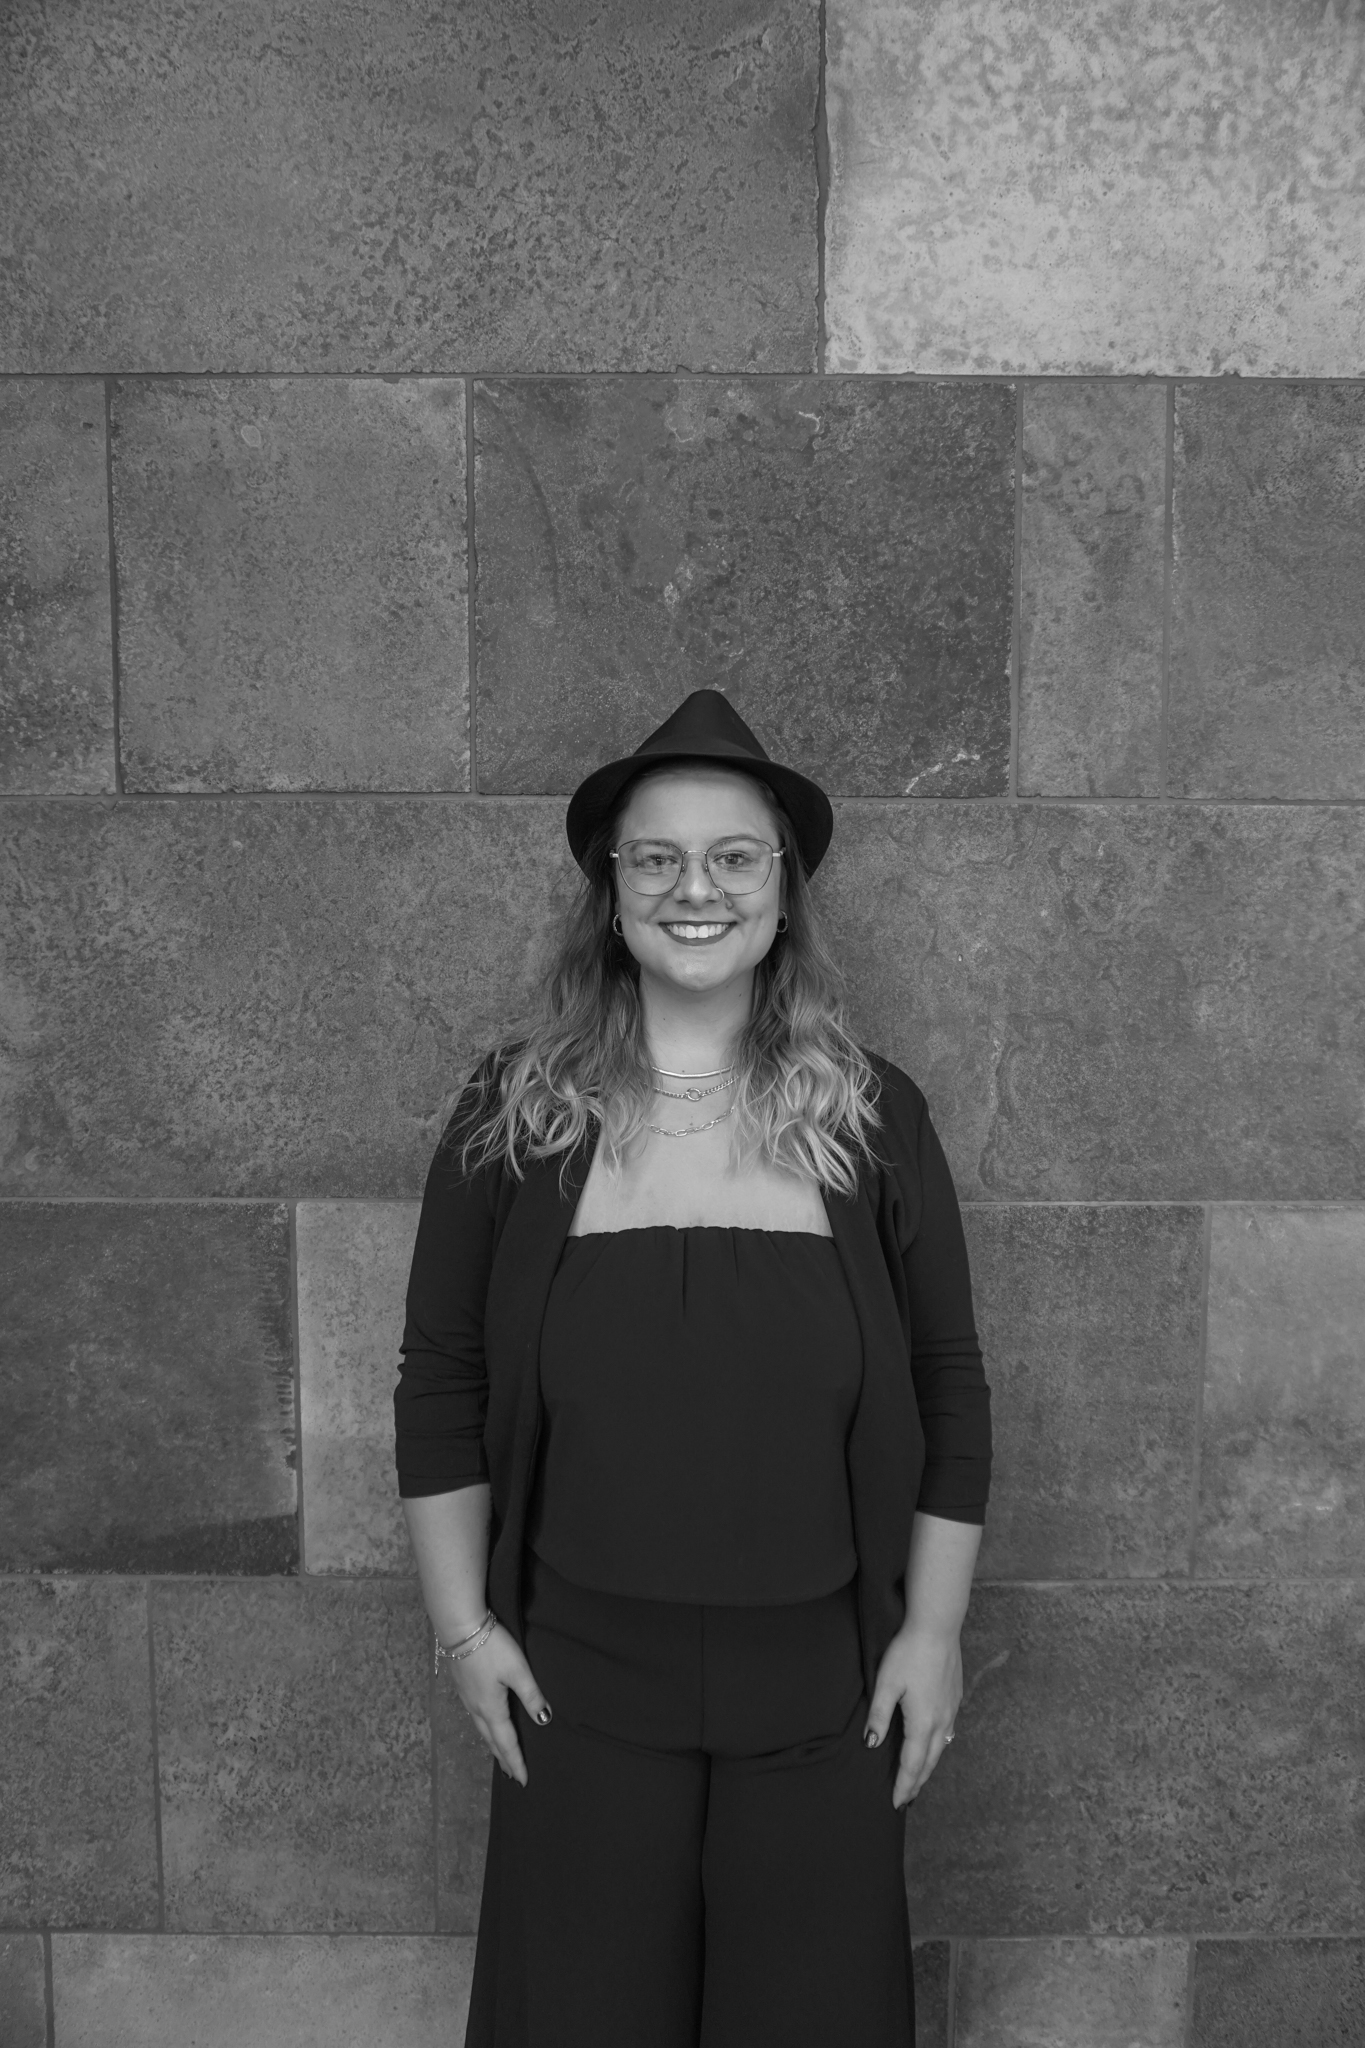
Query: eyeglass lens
{"points": [[652, 866]]}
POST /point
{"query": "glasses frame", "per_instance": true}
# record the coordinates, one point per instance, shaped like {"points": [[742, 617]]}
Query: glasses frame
{"points": [[685, 854]]}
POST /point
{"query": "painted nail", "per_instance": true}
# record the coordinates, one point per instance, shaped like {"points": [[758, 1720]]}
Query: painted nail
{"points": [[872, 1738], [543, 1717]]}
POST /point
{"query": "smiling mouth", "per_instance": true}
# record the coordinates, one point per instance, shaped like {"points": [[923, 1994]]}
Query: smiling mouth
{"points": [[697, 934]]}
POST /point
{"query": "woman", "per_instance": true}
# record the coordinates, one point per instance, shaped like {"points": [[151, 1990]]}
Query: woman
{"points": [[689, 1333]]}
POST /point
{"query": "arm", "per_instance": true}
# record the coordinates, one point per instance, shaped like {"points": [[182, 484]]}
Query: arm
{"points": [[439, 1408], [449, 1533], [922, 1668], [921, 1671]]}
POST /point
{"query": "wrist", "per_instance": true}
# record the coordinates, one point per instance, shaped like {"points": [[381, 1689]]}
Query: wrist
{"points": [[452, 1629], [932, 1628]]}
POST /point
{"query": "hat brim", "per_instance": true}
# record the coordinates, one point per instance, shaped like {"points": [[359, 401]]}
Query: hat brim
{"points": [[804, 801]]}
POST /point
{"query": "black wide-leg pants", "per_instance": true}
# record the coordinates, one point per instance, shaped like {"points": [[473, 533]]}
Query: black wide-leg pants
{"points": [[706, 1854]]}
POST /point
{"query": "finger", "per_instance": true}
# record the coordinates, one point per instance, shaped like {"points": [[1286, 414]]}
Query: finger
{"points": [[500, 1735], [884, 1703], [918, 1775], [910, 1772], [531, 1696]]}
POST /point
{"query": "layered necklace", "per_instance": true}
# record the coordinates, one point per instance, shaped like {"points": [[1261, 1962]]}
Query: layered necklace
{"points": [[720, 1077]]}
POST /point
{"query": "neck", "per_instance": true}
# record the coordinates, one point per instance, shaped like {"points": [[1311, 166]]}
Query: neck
{"points": [[694, 1034]]}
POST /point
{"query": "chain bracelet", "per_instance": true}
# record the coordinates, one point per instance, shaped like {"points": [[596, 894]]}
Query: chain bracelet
{"points": [[456, 1652]]}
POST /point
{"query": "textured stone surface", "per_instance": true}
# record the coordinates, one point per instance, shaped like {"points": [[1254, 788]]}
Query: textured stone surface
{"points": [[1285, 1994], [294, 1756], [1090, 1325], [56, 669], [837, 556], [1093, 592], [268, 997], [77, 1841], [1094, 997], [1268, 600], [147, 1385], [464, 1784], [292, 589], [274, 1991], [353, 1261], [23, 1993], [1071, 1994], [499, 186], [1149, 1759], [932, 1966], [1091, 996], [1095, 186], [1282, 1446]]}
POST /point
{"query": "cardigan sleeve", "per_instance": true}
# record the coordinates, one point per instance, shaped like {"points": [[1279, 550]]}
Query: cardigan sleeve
{"points": [[442, 1393], [945, 1352]]}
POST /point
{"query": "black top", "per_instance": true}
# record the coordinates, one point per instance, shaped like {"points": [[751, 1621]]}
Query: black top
{"points": [[698, 1387]]}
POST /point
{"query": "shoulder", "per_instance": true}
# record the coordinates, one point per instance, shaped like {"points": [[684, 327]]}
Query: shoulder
{"points": [[471, 1104], [900, 1101]]}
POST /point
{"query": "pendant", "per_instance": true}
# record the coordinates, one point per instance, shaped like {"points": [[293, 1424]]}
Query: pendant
{"points": [[692, 1094]]}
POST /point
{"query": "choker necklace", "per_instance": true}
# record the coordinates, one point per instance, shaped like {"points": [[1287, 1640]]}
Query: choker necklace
{"points": [[709, 1075], [689, 1129]]}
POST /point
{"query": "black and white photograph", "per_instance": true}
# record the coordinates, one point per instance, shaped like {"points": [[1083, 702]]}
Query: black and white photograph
{"points": [[682, 1024]]}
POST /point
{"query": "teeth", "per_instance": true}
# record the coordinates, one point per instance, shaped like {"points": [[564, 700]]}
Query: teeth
{"points": [[696, 931]]}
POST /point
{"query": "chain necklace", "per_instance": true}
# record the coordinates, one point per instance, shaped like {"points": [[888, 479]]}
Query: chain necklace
{"points": [[692, 1094], [689, 1129]]}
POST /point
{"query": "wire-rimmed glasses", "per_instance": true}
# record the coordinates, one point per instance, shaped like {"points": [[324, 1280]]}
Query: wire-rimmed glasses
{"points": [[738, 866]]}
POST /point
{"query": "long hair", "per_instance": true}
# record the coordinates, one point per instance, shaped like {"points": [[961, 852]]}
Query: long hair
{"points": [[805, 1095]]}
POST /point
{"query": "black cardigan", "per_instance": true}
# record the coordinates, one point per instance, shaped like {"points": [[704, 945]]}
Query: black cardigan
{"points": [[467, 1406]]}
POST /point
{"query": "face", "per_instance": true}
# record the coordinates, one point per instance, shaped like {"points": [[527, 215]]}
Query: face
{"points": [[696, 938]]}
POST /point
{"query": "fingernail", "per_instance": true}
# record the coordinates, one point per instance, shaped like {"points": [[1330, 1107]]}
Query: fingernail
{"points": [[872, 1738], [543, 1717]]}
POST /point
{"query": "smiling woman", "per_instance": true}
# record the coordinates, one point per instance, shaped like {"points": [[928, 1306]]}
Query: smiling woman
{"points": [[689, 1325]]}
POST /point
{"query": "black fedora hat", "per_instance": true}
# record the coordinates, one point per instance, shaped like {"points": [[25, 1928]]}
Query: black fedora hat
{"points": [[705, 727]]}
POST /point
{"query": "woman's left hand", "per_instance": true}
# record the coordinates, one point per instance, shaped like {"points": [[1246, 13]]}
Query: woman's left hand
{"points": [[922, 1674]]}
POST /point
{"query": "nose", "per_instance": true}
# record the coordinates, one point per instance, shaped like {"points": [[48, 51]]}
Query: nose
{"points": [[695, 881]]}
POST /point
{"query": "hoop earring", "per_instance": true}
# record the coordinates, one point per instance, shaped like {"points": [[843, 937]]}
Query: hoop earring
{"points": [[782, 921], [616, 926]]}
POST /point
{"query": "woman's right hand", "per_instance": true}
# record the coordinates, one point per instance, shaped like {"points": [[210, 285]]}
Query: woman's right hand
{"points": [[483, 1681]]}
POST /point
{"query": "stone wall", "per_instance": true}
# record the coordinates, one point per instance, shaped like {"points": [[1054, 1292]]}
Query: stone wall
{"points": [[400, 408]]}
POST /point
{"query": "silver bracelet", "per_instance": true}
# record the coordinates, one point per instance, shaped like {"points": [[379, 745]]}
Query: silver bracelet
{"points": [[465, 1646]]}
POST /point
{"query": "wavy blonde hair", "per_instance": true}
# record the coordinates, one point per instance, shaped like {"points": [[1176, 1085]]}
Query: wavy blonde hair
{"points": [[806, 1093]]}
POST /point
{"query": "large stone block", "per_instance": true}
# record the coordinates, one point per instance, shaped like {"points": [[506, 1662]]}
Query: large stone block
{"points": [[464, 1785], [1267, 692], [1093, 591], [1150, 1759], [405, 187], [1030, 187], [1071, 1994], [23, 1991], [273, 1991], [292, 587], [277, 997], [1090, 1325], [933, 1969], [77, 1828], [56, 667], [1282, 1446], [353, 1262], [238, 997], [1285, 1994], [148, 1388], [1095, 997], [295, 1757], [837, 556]]}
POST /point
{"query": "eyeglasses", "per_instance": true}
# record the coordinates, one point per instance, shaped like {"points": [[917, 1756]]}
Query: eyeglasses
{"points": [[651, 867]]}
